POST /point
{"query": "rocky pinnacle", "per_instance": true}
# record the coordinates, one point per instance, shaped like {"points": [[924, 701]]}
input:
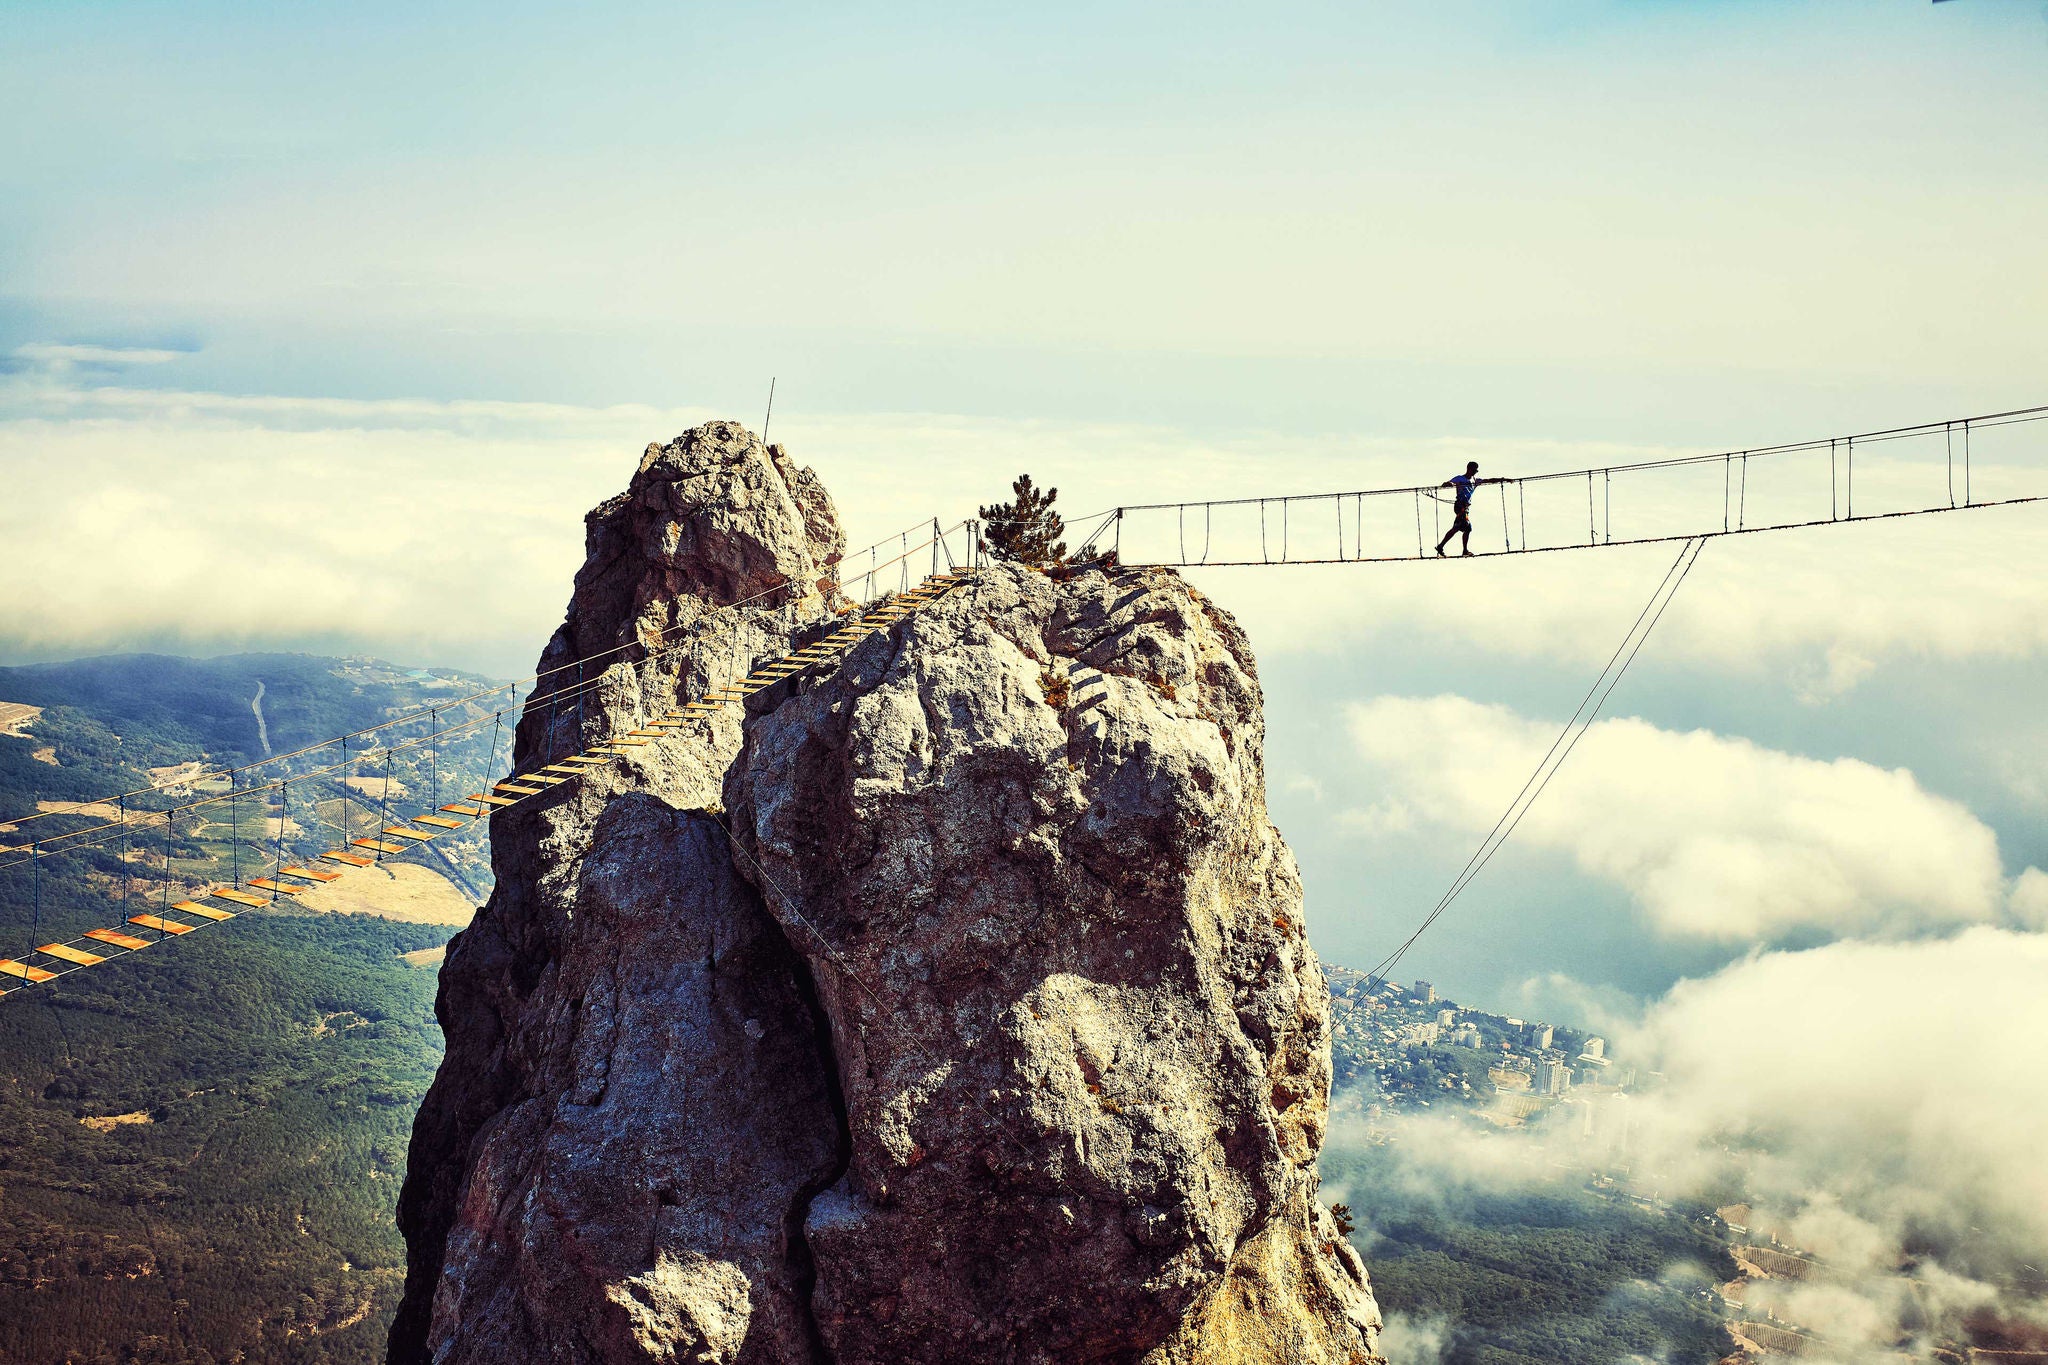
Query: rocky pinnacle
{"points": [[950, 1005]]}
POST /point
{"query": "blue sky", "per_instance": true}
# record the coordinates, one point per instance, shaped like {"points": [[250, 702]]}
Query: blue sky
{"points": [[390, 261]]}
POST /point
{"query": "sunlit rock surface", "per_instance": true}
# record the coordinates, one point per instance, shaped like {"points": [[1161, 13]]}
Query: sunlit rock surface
{"points": [[981, 1028]]}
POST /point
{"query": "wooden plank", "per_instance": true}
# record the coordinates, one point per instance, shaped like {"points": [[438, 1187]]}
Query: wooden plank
{"points": [[335, 855], [460, 810], [489, 800], [24, 971], [64, 953], [168, 926], [228, 893], [118, 939], [630, 743], [439, 821], [418, 836], [377, 844], [314, 874], [518, 791], [203, 911], [649, 734], [281, 888]]}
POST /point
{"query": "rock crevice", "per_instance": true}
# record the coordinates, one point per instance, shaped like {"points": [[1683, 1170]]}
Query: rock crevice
{"points": [[976, 1028]]}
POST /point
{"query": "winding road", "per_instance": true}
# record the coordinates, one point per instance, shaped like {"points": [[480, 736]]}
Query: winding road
{"points": [[262, 729]]}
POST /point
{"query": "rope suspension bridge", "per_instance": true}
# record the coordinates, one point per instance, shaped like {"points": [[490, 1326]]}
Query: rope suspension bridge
{"points": [[1961, 464], [556, 695], [1764, 489]]}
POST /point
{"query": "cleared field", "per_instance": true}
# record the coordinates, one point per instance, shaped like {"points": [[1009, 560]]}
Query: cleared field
{"points": [[98, 810], [176, 778], [426, 957], [16, 717], [400, 891], [373, 787]]}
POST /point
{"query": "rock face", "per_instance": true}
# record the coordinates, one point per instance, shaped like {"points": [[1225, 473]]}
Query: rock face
{"points": [[608, 1013], [981, 1028]]}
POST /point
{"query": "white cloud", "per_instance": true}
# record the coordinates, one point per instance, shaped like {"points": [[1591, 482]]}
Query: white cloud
{"points": [[1916, 1059], [1415, 1339], [1605, 1010], [61, 357], [1884, 1107], [369, 486], [2030, 899], [1715, 837]]}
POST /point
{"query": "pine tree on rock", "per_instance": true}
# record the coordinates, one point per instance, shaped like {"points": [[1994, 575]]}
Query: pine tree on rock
{"points": [[1026, 530]]}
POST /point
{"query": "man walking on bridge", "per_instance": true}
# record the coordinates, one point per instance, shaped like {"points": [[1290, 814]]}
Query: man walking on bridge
{"points": [[1467, 484]]}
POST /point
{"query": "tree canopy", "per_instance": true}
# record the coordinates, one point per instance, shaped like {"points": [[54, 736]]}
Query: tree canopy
{"points": [[1025, 530]]}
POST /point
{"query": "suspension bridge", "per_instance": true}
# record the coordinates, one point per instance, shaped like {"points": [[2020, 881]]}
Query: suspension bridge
{"points": [[1962, 464]]}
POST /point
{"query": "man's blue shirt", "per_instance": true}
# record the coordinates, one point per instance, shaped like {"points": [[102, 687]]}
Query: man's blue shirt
{"points": [[1467, 485]]}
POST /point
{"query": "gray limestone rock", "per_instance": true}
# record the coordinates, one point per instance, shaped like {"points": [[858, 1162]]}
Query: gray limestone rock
{"points": [[711, 557], [982, 1029], [1022, 842]]}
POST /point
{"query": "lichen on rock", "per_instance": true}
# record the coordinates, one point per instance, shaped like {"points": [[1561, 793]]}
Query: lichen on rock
{"points": [[981, 1027]]}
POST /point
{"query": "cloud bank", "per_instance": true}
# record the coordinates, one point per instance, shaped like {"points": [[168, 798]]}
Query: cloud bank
{"points": [[1715, 837], [1881, 1107], [161, 516]]}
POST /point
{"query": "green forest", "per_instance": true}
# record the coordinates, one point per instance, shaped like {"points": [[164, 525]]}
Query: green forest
{"points": [[1551, 1276], [201, 1144], [240, 1208]]}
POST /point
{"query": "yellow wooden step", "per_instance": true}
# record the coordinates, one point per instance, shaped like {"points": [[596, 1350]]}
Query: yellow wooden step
{"points": [[439, 821], [203, 911], [118, 939], [159, 923], [228, 893], [313, 874], [73, 955]]}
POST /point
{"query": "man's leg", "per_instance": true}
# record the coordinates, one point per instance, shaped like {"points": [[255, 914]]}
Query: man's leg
{"points": [[1466, 531]]}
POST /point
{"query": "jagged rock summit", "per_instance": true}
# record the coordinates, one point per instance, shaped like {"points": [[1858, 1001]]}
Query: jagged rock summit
{"points": [[953, 1008]]}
